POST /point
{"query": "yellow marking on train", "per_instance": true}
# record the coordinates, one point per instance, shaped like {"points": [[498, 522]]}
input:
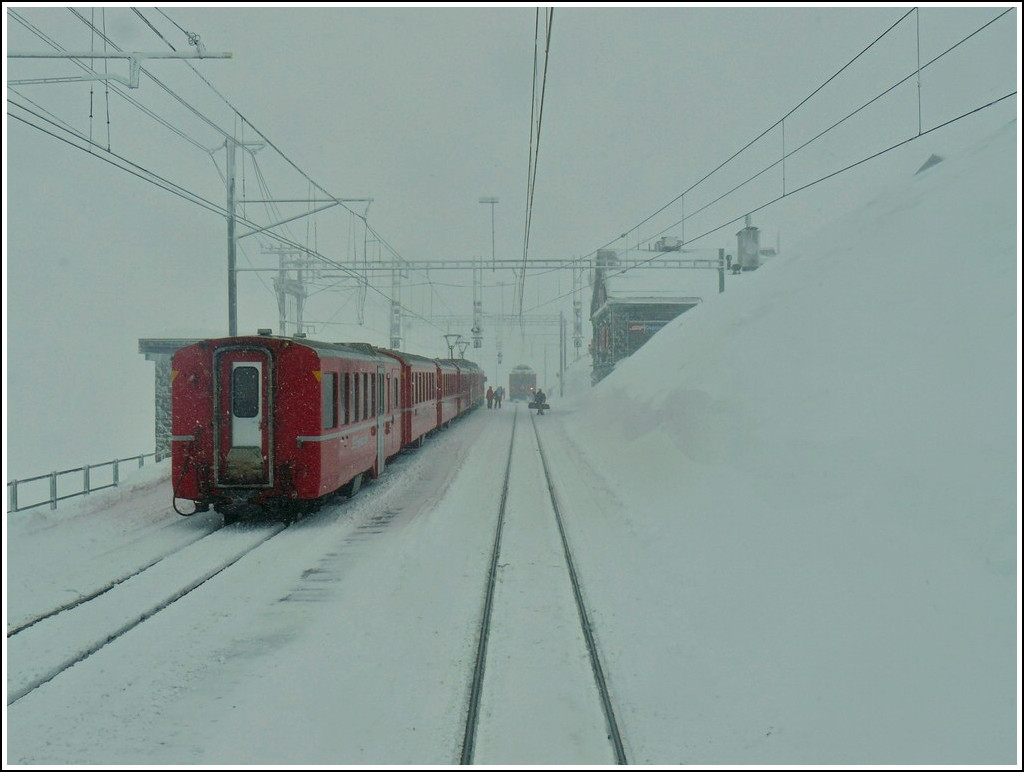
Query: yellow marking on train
{"points": [[174, 374], [317, 374]]}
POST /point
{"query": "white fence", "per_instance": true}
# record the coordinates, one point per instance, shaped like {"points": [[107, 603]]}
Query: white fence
{"points": [[57, 486]]}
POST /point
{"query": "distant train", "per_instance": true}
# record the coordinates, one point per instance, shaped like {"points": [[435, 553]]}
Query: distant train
{"points": [[522, 382], [281, 424]]}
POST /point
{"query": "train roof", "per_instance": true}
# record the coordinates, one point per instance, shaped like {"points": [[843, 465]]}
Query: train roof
{"points": [[406, 357], [465, 364], [350, 349]]}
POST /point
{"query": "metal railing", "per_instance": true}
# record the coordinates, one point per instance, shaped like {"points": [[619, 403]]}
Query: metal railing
{"points": [[56, 484]]}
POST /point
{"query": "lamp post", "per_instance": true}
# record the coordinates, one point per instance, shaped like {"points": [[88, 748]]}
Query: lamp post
{"points": [[492, 200]]}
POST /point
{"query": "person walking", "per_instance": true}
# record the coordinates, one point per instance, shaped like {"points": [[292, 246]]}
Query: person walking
{"points": [[539, 400], [490, 397]]}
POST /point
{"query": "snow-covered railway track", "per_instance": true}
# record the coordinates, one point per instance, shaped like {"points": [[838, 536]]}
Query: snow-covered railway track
{"points": [[39, 653], [89, 595], [533, 583]]}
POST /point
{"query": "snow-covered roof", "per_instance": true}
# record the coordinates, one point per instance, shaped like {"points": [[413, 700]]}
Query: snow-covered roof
{"points": [[641, 277]]}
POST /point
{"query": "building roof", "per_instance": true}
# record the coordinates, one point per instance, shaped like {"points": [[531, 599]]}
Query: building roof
{"points": [[641, 276]]}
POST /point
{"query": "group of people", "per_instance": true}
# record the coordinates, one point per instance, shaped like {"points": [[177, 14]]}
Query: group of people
{"points": [[495, 396]]}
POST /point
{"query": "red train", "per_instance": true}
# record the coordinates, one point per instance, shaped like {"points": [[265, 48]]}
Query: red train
{"points": [[281, 424], [522, 383]]}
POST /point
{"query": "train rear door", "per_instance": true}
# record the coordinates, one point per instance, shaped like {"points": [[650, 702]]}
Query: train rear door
{"points": [[243, 420]]}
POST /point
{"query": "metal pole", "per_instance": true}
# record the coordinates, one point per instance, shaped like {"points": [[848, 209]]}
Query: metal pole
{"points": [[561, 353], [492, 200], [232, 290]]}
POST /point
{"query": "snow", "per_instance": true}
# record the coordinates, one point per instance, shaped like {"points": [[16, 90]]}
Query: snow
{"points": [[795, 513]]}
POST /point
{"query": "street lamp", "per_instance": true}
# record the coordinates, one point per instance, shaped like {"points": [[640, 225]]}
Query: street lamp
{"points": [[492, 200]]}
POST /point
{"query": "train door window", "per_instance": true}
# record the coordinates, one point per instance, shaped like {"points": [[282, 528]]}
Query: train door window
{"points": [[245, 392], [395, 397], [366, 397], [373, 395], [329, 400]]}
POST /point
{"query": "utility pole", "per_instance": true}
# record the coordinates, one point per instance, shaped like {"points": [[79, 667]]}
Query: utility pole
{"points": [[477, 330], [396, 303], [230, 145], [561, 353], [492, 200]]}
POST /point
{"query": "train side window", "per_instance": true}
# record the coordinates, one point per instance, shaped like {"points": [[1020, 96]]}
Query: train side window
{"points": [[366, 400], [356, 397], [373, 394], [396, 401], [329, 392], [343, 397]]}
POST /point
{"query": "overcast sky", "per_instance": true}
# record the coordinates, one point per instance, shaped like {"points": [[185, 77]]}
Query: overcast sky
{"points": [[424, 110]]}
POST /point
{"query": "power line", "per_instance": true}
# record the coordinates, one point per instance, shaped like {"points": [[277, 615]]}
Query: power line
{"points": [[790, 113], [811, 184], [534, 146], [159, 181]]}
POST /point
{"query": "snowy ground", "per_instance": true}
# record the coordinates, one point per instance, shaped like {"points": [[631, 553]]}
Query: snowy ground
{"points": [[795, 511]]}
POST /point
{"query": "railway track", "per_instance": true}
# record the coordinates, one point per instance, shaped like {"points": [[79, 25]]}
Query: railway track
{"points": [[96, 592], [393, 583], [537, 544], [55, 641]]}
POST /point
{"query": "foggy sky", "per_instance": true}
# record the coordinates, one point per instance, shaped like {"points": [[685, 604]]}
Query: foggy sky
{"points": [[425, 110]]}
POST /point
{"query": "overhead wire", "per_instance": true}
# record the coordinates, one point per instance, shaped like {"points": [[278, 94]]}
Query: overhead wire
{"points": [[163, 182], [534, 151], [790, 113], [193, 39], [811, 184]]}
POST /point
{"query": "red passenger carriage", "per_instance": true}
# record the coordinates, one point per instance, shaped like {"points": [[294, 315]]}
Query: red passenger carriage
{"points": [[277, 422]]}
